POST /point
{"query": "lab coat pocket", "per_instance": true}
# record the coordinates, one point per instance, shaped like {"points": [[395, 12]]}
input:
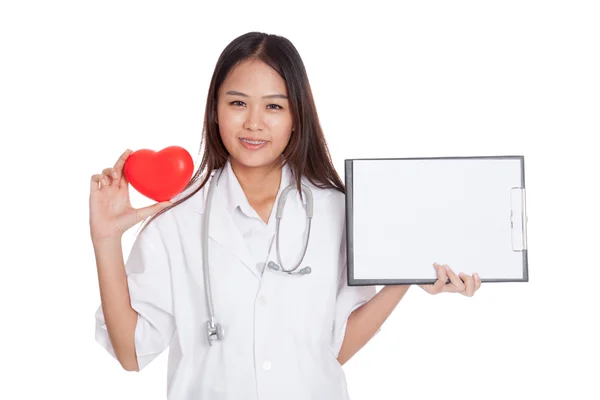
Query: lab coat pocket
{"points": [[311, 298]]}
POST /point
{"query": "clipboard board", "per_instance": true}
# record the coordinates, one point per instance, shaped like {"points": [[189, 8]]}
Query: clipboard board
{"points": [[404, 214]]}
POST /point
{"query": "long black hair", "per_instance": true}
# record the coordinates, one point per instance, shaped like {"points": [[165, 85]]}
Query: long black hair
{"points": [[307, 152]]}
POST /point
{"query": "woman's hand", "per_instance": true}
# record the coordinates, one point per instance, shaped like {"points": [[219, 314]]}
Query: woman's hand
{"points": [[111, 213], [464, 284]]}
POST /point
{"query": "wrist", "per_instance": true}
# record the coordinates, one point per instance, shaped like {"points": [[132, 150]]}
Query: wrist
{"points": [[102, 243]]}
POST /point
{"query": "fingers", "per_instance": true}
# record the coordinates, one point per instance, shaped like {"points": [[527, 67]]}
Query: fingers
{"points": [[110, 172], [121, 161], [98, 181], [454, 279], [117, 170], [462, 283], [106, 178], [110, 175], [95, 182], [146, 212], [438, 286], [469, 285]]}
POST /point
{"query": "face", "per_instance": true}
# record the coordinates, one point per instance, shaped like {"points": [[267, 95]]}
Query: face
{"points": [[253, 115]]}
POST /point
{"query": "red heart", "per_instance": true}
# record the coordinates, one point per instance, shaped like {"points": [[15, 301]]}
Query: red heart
{"points": [[160, 175]]}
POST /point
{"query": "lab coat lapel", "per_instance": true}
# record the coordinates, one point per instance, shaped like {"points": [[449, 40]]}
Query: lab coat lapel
{"points": [[224, 231], [292, 229]]}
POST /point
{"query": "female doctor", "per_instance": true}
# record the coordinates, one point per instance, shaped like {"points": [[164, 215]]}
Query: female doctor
{"points": [[243, 275]]}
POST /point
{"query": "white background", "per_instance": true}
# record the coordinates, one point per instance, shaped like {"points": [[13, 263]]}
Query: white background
{"points": [[81, 81]]}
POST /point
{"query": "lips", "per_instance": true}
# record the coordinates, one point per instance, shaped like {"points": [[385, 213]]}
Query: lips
{"points": [[253, 141], [253, 144]]}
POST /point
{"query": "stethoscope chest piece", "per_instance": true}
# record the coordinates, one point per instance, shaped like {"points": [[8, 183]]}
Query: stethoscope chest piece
{"points": [[214, 332]]}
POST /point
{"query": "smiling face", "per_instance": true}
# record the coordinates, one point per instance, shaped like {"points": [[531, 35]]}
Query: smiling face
{"points": [[253, 113]]}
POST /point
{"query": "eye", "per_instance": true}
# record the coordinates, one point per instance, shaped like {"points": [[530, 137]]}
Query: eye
{"points": [[270, 106]]}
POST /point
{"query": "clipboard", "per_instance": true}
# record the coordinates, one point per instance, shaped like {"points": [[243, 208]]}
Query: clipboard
{"points": [[404, 214]]}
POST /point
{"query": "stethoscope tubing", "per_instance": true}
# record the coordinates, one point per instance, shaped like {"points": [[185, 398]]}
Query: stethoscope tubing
{"points": [[214, 329]]}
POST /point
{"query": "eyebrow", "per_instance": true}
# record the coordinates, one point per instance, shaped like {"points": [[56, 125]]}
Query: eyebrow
{"points": [[271, 96]]}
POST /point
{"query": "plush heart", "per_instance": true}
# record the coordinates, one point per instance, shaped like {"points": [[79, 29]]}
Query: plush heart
{"points": [[160, 175]]}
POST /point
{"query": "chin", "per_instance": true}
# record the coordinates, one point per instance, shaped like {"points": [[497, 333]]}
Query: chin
{"points": [[254, 160]]}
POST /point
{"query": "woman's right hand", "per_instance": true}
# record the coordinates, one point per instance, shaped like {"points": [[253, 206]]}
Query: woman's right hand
{"points": [[111, 213]]}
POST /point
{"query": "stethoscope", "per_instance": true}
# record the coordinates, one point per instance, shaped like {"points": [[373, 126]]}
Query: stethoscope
{"points": [[214, 330]]}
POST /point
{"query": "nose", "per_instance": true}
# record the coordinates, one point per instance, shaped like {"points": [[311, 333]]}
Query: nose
{"points": [[254, 121]]}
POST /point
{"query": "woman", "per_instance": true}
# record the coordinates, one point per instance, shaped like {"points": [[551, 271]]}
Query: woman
{"points": [[268, 334]]}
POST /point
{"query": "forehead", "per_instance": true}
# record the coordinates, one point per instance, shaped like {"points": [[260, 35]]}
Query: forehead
{"points": [[254, 78]]}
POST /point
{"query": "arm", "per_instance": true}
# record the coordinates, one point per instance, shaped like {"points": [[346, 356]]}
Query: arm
{"points": [[366, 320], [120, 317]]}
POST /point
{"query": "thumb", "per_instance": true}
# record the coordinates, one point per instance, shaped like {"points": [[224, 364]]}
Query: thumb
{"points": [[146, 212]]}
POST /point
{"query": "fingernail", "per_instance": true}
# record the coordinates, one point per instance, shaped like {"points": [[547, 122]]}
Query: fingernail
{"points": [[115, 175]]}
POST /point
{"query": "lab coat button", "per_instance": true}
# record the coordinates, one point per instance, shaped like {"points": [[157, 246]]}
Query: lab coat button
{"points": [[267, 365], [262, 301]]}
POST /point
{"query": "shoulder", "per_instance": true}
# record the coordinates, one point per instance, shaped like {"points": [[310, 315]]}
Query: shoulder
{"points": [[188, 203], [329, 200], [331, 194], [192, 198]]}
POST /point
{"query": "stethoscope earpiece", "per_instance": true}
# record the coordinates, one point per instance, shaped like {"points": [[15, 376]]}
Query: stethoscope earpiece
{"points": [[304, 271]]}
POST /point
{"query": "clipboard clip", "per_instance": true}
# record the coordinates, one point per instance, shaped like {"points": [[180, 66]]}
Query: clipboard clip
{"points": [[518, 219]]}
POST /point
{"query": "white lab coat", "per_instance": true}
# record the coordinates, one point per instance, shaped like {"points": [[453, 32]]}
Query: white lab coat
{"points": [[282, 333]]}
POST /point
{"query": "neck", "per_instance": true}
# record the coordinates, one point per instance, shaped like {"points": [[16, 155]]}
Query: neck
{"points": [[258, 182]]}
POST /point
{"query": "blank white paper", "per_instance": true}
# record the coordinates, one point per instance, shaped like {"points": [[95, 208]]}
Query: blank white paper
{"points": [[406, 214]]}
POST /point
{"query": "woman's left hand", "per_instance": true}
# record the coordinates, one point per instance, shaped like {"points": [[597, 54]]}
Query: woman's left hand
{"points": [[464, 284]]}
